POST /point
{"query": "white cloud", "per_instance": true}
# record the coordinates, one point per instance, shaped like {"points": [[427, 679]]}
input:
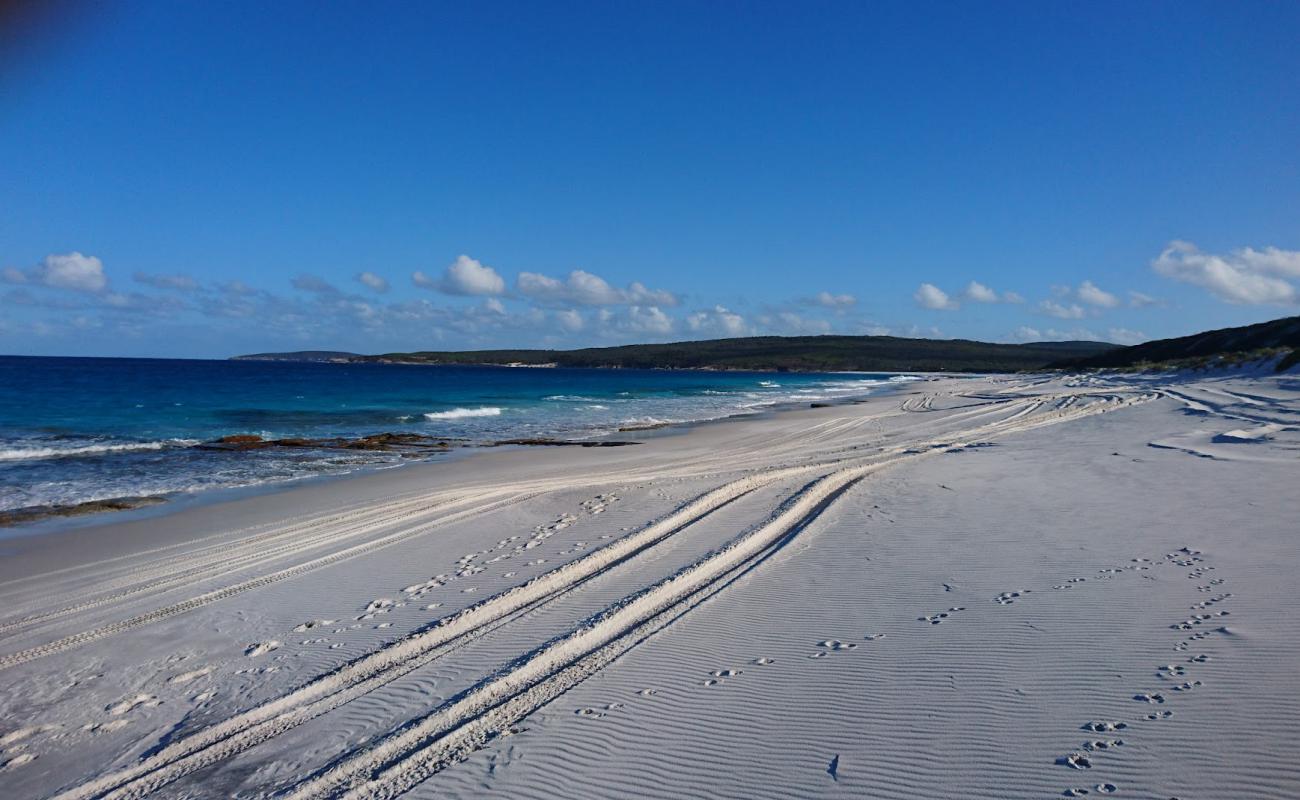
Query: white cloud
{"points": [[718, 320], [1093, 295], [648, 320], [1012, 297], [585, 289], [638, 293], [180, 283], [1247, 276], [72, 271], [1272, 261], [1116, 335], [790, 323], [372, 281], [835, 301], [1072, 335], [930, 296], [1140, 300], [1028, 334], [1060, 311], [1125, 336], [592, 290], [980, 293], [570, 320], [464, 276], [494, 305]]}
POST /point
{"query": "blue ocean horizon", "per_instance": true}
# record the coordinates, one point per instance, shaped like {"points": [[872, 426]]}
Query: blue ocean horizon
{"points": [[74, 430]]}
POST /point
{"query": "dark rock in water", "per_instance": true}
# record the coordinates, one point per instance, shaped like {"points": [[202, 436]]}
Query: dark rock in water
{"points": [[400, 442], [820, 405], [389, 441], [240, 439], [18, 516]]}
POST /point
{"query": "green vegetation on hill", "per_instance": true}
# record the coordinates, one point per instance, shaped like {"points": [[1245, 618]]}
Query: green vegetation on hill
{"points": [[300, 355], [793, 353], [1232, 345]]}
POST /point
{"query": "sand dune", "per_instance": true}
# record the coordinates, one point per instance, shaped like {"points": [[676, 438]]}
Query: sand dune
{"points": [[1003, 587]]}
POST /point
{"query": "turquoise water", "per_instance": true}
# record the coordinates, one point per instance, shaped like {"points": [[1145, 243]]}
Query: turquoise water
{"points": [[74, 429]]}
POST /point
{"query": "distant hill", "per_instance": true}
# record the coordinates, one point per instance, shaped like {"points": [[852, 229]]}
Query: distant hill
{"points": [[1278, 334], [300, 355], [790, 353]]}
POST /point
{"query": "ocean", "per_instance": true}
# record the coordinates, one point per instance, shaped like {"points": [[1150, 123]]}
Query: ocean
{"points": [[74, 430]]}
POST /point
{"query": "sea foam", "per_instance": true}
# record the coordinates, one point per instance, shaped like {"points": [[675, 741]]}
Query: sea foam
{"points": [[463, 413], [31, 453]]}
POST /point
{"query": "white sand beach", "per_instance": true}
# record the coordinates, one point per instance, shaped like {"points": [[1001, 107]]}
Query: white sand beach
{"points": [[1004, 587]]}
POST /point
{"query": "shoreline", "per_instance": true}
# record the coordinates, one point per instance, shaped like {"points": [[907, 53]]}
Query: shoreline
{"points": [[44, 520]]}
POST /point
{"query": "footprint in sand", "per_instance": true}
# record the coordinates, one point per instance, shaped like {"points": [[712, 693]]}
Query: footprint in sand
{"points": [[17, 735], [1007, 598], [1104, 726], [647, 692], [187, 677], [261, 648], [872, 637], [1075, 761], [763, 662], [381, 606], [1149, 698], [1102, 744], [835, 645], [935, 619], [105, 727], [1159, 715], [17, 761], [131, 703], [306, 626]]}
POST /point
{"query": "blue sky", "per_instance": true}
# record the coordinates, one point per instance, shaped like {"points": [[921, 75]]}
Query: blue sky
{"points": [[191, 179]]}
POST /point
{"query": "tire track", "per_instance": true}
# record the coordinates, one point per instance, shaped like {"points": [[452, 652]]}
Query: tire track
{"points": [[85, 637], [448, 734], [225, 562], [368, 672], [381, 666]]}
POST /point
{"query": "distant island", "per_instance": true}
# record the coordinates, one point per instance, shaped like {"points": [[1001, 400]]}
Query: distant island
{"points": [[759, 353], [302, 355]]}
